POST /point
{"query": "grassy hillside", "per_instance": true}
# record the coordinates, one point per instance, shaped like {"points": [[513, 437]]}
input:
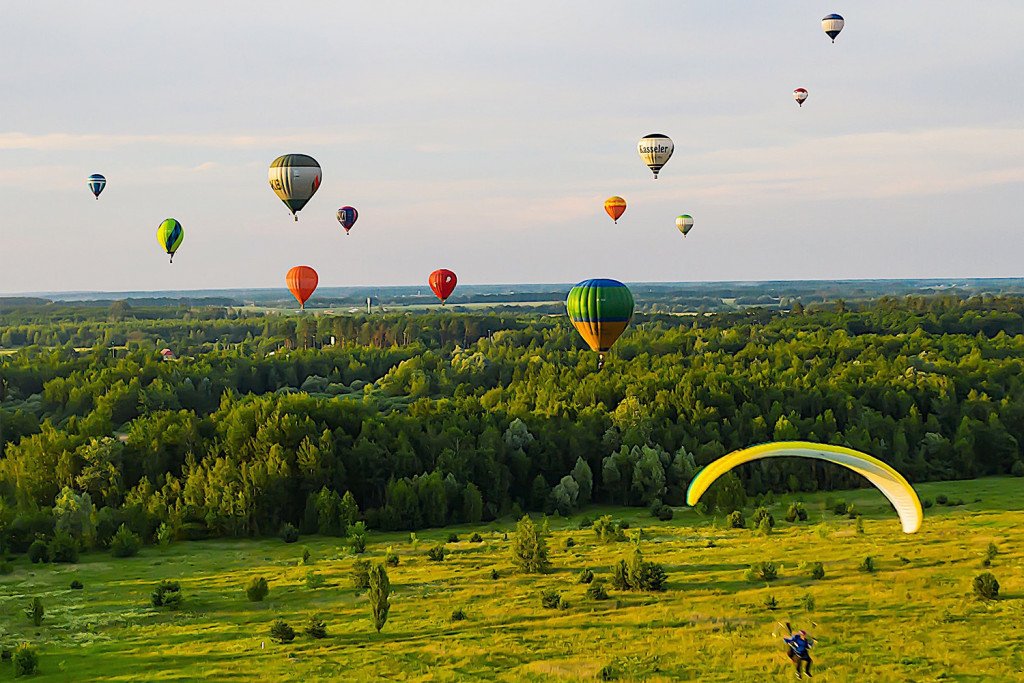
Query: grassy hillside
{"points": [[913, 619]]}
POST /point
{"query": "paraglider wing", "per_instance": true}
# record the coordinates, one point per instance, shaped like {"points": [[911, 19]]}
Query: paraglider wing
{"points": [[832, 25], [347, 216], [655, 151], [890, 482], [302, 281], [169, 235], [600, 309], [442, 281], [615, 207], [295, 178], [684, 223], [96, 183], [800, 94]]}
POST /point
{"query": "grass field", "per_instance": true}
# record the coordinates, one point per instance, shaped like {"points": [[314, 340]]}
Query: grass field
{"points": [[914, 619]]}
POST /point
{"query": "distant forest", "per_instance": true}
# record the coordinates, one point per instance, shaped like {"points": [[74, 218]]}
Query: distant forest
{"points": [[412, 420]]}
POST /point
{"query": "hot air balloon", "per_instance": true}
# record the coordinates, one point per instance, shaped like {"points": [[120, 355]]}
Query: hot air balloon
{"points": [[347, 216], [832, 25], [684, 223], [800, 94], [443, 282], [655, 151], [615, 207], [169, 235], [295, 178], [600, 310], [890, 482], [96, 183], [302, 281]]}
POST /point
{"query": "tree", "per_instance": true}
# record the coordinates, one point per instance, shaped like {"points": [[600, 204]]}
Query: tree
{"points": [[125, 543], [584, 478], [565, 495], [472, 504], [73, 515], [257, 589], [529, 548], [379, 592], [35, 612]]}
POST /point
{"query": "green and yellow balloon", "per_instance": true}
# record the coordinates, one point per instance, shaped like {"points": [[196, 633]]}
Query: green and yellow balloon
{"points": [[600, 309], [169, 235]]}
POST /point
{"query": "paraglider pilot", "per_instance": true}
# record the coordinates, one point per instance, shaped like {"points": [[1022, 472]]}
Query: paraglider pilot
{"points": [[800, 652]]}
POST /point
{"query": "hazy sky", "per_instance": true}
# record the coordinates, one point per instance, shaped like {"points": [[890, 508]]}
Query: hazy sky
{"points": [[485, 136]]}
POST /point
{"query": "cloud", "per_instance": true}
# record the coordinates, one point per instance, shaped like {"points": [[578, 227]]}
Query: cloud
{"points": [[69, 142]]}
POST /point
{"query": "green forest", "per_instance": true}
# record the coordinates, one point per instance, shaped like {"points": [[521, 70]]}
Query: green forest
{"points": [[268, 423]]}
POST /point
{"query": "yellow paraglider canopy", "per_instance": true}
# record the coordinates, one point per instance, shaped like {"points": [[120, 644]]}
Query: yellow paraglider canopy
{"points": [[890, 482]]}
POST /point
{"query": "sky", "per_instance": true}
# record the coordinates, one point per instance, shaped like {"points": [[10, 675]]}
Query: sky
{"points": [[484, 137]]}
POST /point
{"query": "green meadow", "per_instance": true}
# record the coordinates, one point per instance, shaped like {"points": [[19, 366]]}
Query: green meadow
{"points": [[913, 618]]}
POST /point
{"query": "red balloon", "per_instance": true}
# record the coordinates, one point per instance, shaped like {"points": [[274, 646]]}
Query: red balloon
{"points": [[443, 281], [302, 281]]}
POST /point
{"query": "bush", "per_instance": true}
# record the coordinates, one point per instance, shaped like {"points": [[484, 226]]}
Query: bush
{"points": [[35, 612], [764, 527], [1017, 469], [64, 548], [927, 503], [762, 571], [164, 535], [840, 508], [314, 580], [437, 553], [306, 556], [620, 576], [289, 533], [26, 660], [867, 564], [941, 499], [817, 571], [459, 614], [281, 632], [570, 542], [959, 501], [807, 602], [564, 604], [453, 538], [770, 603], [852, 511], [476, 538], [316, 628], [77, 585], [391, 558], [607, 531], [761, 514], [596, 591], [550, 598], [361, 574], [622, 524], [585, 576], [125, 542], [166, 594], [6, 568], [736, 520], [495, 575], [529, 547], [257, 589], [665, 513], [39, 551], [585, 523], [991, 552], [608, 672], [860, 525], [986, 586], [357, 537]]}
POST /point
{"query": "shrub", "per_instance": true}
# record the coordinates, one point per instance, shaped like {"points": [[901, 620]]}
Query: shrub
{"points": [[77, 585], [860, 525], [361, 574], [941, 499], [564, 604], [927, 503], [315, 580], [495, 575], [550, 598], [437, 553], [701, 508], [357, 537], [959, 501], [762, 571], [458, 614], [281, 632], [1017, 469], [164, 535], [986, 587], [807, 602], [6, 568], [638, 575], [166, 594], [125, 542], [622, 524], [378, 593], [391, 558], [710, 543], [817, 571], [39, 551], [620, 576], [316, 628], [476, 538], [306, 556], [770, 603], [585, 523], [570, 542], [596, 591], [35, 612], [257, 589], [529, 548], [736, 520], [761, 514], [289, 533], [991, 552], [867, 564], [608, 531], [26, 660], [453, 538], [764, 527], [840, 508], [608, 672], [852, 511], [585, 576], [665, 513], [64, 548]]}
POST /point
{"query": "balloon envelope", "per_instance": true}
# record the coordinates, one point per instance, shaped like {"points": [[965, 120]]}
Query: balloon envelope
{"points": [[347, 216], [295, 178], [800, 94], [655, 151], [302, 281], [600, 309], [890, 482], [96, 183], [684, 223], [169, 235], [443, 282], [832, 25], [615, 207]]}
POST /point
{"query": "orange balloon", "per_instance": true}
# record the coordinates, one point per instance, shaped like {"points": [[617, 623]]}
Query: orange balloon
{"points": [[302, 281], [615, 207]]}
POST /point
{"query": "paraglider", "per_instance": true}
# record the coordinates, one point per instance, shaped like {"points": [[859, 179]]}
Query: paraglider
{"points": [[800, 94], [600, 309], [347, 216], [615, 207], [96, 183], [655, 151], [832, 25], [442, 281], [302, 281], [684, 223], [890, 482], [295, 178], [169, 235]]}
